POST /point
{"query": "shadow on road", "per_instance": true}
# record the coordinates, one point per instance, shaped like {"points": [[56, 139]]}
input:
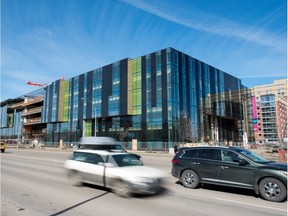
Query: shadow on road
{"points": [[161, 192], [225, 189], [81, 203]]}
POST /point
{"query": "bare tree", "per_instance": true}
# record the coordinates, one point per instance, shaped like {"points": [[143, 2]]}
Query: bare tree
{"points": [[184, 128], [123, 134]]}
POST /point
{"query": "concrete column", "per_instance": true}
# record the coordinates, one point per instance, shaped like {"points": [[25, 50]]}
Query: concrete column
{"points": [[61, 144], [134, 144]]}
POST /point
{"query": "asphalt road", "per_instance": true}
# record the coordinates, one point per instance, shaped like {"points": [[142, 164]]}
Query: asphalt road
{"points": [[33, 183]]}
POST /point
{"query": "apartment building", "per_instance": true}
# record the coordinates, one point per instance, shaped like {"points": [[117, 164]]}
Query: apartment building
{"points": [[270, 112]]}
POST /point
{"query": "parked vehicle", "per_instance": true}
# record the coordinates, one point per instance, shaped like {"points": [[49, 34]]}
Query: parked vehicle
{"points": [[231, 166], [100, 143], [3, 146], [124, 173]]}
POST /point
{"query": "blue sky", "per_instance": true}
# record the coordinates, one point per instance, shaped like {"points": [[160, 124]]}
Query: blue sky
{"points": [[43, 40]]}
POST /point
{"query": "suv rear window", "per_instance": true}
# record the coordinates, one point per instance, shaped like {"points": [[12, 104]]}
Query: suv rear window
{"points": [[190, 153], [211, 154]]}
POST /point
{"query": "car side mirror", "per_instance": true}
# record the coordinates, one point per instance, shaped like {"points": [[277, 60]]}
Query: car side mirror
{"points": [[243, 162]]}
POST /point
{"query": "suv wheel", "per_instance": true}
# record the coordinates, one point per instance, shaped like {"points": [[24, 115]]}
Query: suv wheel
{"points": [[121, 189], [189, 179], [75, 178], [272, 189]]}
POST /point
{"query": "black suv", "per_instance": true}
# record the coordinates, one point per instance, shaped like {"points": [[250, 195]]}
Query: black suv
{"points": [[230, 166]]}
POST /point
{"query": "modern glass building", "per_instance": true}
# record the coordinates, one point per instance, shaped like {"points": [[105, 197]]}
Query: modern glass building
{"points": [[165, 96]]}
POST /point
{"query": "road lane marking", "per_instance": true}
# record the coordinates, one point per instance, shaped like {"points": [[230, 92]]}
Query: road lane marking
{"points": [[35, 158], [260, 206]]}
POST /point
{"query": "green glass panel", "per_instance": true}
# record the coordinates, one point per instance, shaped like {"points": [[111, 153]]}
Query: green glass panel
{"points": [[88, 128], [66, 100], [136, 86]]}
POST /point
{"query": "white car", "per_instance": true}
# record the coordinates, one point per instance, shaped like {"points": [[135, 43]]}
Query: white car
{"points": [[124, 173]]}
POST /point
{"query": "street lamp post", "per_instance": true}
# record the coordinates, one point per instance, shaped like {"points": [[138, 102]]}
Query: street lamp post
{"points": [[95, 114]]}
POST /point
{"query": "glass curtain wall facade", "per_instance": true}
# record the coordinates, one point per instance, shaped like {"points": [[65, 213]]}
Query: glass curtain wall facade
{"points": [[148, 98], [11, 125]]}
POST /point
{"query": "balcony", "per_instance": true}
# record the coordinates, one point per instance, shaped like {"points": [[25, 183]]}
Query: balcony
{"points": [[32, 111], [35, 132], [32, 121], [33, 100], [16, 105]]}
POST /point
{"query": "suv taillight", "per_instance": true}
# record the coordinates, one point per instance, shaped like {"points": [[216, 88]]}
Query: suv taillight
{"points": [[175, 161]]}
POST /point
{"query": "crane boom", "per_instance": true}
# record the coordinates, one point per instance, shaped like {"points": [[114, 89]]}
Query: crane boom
{"points": [[39, 84], [35, 84]]}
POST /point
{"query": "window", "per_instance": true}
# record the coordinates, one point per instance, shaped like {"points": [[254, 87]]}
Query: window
{"points": [[252, 156], [87, 157], [127, 160], [212, 154], [230, 156], [189, 154]]}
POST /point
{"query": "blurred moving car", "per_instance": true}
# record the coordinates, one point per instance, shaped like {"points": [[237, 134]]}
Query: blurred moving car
{"points": [[124, 173], [231, 166], [3, 146], [100, 143]]}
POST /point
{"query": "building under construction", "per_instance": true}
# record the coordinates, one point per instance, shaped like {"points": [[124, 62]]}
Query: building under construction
{"points": [[162, 97]]}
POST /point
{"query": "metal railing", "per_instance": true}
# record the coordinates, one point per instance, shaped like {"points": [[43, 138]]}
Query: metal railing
{"points": [[32, 111]]}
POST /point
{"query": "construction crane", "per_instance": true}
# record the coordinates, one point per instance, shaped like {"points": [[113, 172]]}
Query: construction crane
{"points": [[35, 84], [39, 84]]}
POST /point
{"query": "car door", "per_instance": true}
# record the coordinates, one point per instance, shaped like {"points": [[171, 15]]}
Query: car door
{"points": [[91, 168], [233, 174], [208, 162]]}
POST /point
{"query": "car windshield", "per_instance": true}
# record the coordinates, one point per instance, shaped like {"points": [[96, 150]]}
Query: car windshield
{"points": [[253, 156], [128, 160]]}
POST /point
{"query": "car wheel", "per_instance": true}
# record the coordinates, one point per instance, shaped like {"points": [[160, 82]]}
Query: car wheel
{"points": [[121, 189], [272, 189], [75, 178], [189, 179]]}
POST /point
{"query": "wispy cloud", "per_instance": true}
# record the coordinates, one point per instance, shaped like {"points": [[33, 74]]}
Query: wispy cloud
{"points": [[29, 75], [213, 24]]}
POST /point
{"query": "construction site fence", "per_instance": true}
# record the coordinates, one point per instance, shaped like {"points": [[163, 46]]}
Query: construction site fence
{"points": [[164, 147]]}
